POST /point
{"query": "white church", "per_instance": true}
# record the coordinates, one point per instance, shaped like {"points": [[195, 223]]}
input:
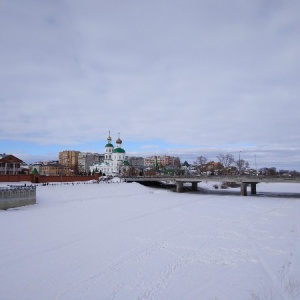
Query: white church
{"points": [[113, 158]]}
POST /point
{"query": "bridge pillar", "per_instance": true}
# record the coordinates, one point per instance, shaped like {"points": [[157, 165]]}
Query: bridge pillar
{"points": [[253, 188], [194, 186], [179, 187], [244, 189]]}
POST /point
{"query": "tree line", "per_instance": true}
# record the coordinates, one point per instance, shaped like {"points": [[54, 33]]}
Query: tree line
{"points": [[227, 164]]}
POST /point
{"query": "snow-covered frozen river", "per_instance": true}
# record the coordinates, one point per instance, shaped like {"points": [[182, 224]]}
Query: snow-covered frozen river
{"points": [[127, 241]]}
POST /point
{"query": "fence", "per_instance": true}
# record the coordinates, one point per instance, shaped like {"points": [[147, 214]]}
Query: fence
{"points": [[16, 196], [42, 178]]}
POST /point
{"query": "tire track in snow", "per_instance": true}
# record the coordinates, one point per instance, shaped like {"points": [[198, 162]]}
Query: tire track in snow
{"points": [[274, 281], [136, 256], [161, 280]]}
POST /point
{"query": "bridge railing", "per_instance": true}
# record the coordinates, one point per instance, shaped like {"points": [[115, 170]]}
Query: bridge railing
{"points": [[228, 178]]}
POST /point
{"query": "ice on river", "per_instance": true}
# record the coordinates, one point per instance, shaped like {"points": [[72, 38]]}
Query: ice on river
{"points": [[126, 241]]}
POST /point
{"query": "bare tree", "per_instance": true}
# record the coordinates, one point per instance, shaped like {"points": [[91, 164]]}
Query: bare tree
{"points": [[226, 160], [268, 171], [272, 171], [242, 165], [200, 162], [294, 173]]}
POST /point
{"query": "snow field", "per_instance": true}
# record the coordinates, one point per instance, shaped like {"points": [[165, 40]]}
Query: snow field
{"points": [[127, 241]]}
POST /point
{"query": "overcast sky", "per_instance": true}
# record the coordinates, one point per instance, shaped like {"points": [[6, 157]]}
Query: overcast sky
{"points": [[176, 77]]}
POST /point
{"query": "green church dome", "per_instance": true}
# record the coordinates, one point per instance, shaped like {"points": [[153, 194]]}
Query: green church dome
{"points": [[118, 150], [109, 145]]}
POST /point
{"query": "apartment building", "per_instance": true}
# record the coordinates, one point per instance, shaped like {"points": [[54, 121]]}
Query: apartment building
{"points": [[161, 161], [135, 162], [87, 159], [69, 158]]}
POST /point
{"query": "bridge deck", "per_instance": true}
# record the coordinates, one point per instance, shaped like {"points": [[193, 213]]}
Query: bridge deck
{"points": [[236, 179], [242, 180]]}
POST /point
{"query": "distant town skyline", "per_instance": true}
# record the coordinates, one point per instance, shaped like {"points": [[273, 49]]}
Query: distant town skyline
{"points": [[181, 78], [255, 159]]}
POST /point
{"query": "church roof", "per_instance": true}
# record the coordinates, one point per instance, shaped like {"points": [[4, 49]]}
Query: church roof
{"points": [[126, 163], [35, 171], [118, 150], [109, 145], [186, 164]]}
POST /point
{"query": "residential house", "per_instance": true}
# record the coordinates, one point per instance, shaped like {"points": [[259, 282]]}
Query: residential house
{"points": [[10, 164]]}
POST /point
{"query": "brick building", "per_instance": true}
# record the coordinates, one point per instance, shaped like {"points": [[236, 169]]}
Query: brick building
{"points": [[55, 169]]}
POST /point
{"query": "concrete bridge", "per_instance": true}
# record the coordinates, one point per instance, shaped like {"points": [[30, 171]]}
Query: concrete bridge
{"points": [[244, 181]]}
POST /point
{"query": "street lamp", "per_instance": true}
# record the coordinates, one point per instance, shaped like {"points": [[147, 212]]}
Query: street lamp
{"points": [[255, 165], [240, 162]]}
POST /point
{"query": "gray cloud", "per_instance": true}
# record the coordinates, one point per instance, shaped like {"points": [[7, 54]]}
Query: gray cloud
{"points": [[196, 73]]}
